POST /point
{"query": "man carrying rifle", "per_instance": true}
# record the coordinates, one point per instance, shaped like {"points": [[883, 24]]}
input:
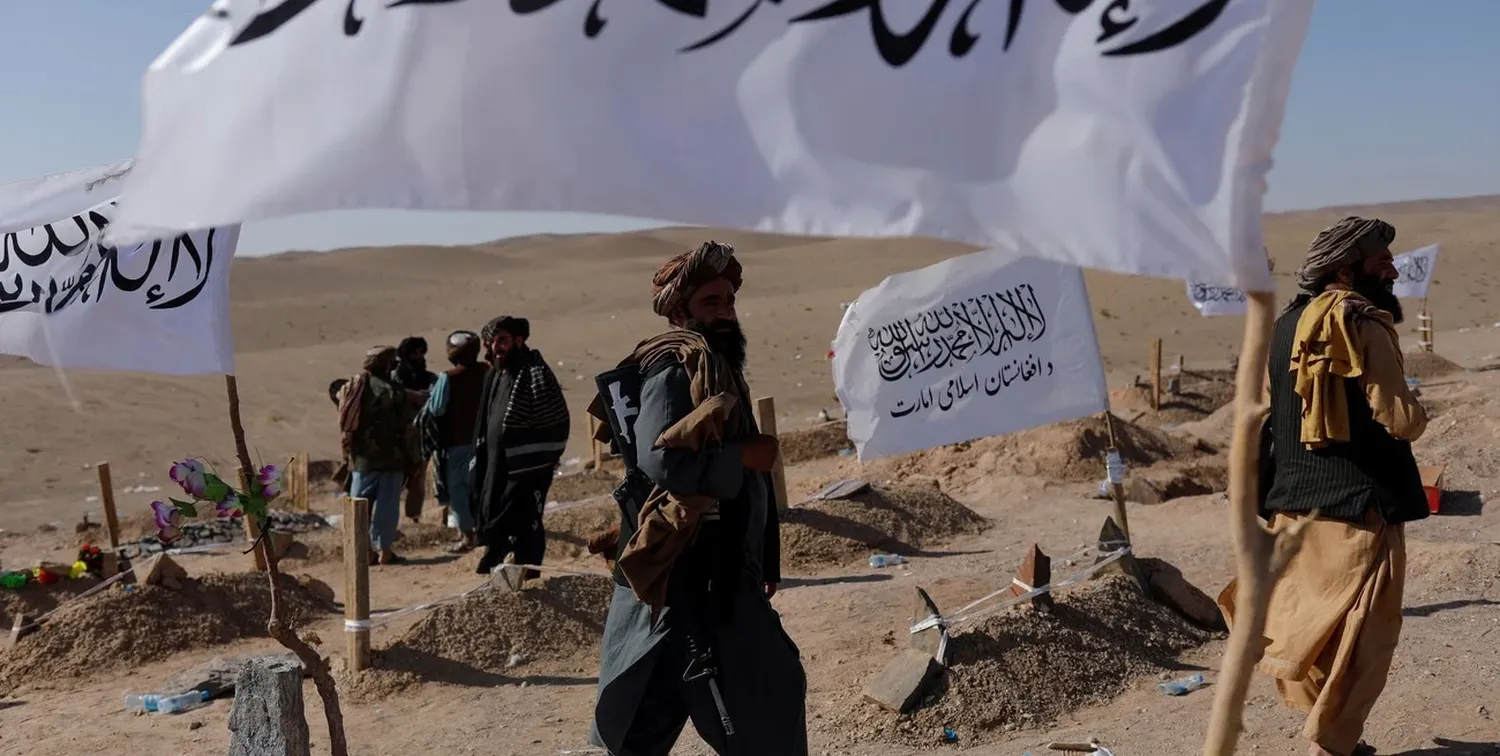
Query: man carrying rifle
{"points": [[691, 633]]}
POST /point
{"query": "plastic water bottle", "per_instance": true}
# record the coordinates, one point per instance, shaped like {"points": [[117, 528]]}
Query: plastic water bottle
{"points": [[147, 702], [1182, 687], [881, 561], [182, 702]]}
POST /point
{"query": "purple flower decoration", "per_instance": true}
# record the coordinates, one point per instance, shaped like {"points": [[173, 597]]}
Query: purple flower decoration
{"points": [[167, 521], [229, 508], [189, 474], [270, 482]]}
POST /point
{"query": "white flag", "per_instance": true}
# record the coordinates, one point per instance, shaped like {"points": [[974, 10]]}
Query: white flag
{"points": [[980, 345], [39, 201], [1132, 136], [1415, 269], [67, 298], [1211, 300]]}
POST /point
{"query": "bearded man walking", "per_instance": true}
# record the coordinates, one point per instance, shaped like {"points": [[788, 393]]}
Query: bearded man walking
{"points": [[520, 434], [691, 634], [1340, 430]]}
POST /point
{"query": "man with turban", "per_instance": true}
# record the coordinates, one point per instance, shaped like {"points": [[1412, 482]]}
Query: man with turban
{"points": [[453, 406], [1340, 464], [374, 419], [691, 634], [520, 433], [411, 373]]}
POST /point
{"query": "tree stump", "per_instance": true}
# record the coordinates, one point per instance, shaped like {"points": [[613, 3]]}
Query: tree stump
{"points": [[267, 717]]}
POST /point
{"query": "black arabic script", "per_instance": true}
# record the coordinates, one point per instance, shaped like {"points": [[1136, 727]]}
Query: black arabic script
{"points": [[67, 263], [1113, 19], [1208, 293], [953, 334], [947, 395]]}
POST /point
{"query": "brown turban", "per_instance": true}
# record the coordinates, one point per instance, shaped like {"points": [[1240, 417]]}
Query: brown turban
{"points": [[379, 360], [1345, 243], [680, 276]]}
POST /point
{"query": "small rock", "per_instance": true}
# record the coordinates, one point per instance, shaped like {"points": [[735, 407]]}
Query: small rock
{"points": [[195, 725]]}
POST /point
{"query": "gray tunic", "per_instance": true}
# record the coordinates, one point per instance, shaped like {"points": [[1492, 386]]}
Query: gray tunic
{"points": [[643, 702]]}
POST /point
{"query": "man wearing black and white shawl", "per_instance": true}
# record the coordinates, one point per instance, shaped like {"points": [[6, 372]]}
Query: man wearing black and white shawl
{"points": [[521, 432]]}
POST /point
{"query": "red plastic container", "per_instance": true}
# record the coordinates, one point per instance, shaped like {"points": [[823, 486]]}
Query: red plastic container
{"points": [[1432, 484], [1434, 498]]}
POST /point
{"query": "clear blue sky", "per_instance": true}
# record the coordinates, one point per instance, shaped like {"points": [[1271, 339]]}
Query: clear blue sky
{"points": [[1393, 99]]}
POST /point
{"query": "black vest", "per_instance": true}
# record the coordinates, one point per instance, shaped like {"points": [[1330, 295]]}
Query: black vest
{"points": [[1342, 480]]}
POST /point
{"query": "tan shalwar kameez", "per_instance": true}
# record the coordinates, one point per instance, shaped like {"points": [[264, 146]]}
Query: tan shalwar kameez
{"points": [[1335, 615]]}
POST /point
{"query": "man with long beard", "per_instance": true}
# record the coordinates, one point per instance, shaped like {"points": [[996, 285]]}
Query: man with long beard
{"points": [[691, 633], [1341, 467], [520, 434]]}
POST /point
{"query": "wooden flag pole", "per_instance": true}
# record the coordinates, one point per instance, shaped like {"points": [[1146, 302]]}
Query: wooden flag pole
{"points": [[765, 407], [1424, 328], [1117, 490], [1260, 556]]}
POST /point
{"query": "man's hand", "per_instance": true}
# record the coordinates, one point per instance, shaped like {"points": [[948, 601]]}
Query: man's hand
{"points": [[760, 452], [770, 591]]}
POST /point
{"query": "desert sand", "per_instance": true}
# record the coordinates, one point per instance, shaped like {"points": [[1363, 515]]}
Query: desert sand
{"points": [[303, 319]]}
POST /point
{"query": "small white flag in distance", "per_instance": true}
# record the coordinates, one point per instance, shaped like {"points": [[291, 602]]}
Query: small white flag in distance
{"points": [[69, 299], [1134, 137], [980, 345], [1416, 268]]}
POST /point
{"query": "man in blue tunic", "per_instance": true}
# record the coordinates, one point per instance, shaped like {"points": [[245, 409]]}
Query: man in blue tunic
{"points": [[691, 634]]}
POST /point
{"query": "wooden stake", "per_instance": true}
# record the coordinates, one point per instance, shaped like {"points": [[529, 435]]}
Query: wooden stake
{"points": [[765, 408], [1424, 328], [1260, 556], [107, 496], [296, 483], [252, 530], [1117, 490], [1156, 374], [357, 582]]}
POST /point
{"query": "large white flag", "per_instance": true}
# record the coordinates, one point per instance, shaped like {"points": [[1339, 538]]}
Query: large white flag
{"points": [[70, 299], [1121, 134], [1416, 268], [980, 345]]}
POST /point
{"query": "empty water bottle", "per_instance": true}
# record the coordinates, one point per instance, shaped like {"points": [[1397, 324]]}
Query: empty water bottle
{"points": [[879, 561], [1183, 686], [147, 702], [182, 702]]}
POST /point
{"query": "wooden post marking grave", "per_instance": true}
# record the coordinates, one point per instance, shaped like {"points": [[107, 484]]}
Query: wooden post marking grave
{"points": [[1035, 572], [357, 582], [1424, 328], [1156, 374], [765, 409], [252, 532], [1116, 487], [596, 447], [107, 498]]}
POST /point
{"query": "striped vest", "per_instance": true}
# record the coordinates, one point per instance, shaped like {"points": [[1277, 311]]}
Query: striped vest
{"points": [[1341, 480]]}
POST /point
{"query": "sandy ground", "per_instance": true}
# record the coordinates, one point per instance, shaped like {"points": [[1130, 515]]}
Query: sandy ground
{"points": [[304, 319]]}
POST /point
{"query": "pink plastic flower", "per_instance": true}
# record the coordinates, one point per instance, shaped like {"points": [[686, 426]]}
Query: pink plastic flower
{"points": [[270, 482], [189, 474], [167, 521], [229, 508]]}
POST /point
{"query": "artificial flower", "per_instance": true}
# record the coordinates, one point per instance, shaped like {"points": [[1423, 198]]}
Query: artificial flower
{"points": [[189, 474], [270, 482], [229, 508], [167, 521]]}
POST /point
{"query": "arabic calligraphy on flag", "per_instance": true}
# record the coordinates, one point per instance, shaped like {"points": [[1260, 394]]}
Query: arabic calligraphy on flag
{"points": [[981, 345]]}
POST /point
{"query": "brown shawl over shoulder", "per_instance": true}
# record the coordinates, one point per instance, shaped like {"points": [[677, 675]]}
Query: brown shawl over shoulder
{"points": [[669, 522]]}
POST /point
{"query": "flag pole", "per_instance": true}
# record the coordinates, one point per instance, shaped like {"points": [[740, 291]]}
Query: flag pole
{"points": [[1260, 556], [277, 626]]}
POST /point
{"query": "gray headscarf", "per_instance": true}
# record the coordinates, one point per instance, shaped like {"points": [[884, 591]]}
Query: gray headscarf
{"points": [[1345, 243]]}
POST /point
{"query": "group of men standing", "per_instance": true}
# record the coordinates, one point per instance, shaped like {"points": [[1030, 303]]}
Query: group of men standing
{"points": [[494, 424]]}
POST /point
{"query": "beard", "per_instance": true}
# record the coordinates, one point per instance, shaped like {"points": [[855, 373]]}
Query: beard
{"points": [[1380, 292], [724, 337]]}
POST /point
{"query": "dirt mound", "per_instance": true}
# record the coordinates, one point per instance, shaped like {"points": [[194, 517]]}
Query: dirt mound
{"points": [[328, 545], [1454, 440], [901, 518], [555, 624], [1199, 394], [128, 628], [1216, 428], [818, 442], [1429, 365], [568, 530], [583, 485], [1465, 571], [37, 599], [1023, 669]]}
